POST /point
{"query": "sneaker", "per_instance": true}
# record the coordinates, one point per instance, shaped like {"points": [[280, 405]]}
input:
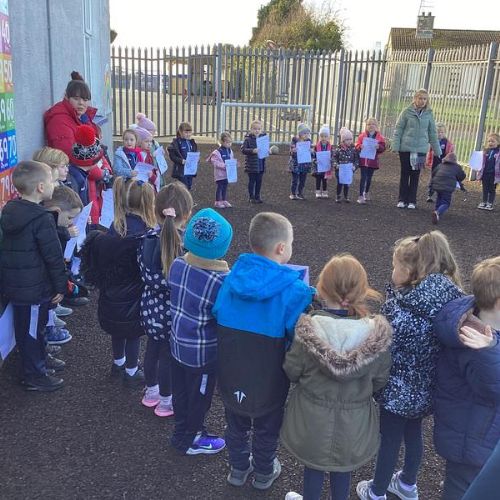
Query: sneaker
{"points": [[319, 194], [401, 204], [406, 492], [367, 196], [219, 204], [57, 336], [239, 477], [338, 199], [58, 322], [75, 301], [293, 197], [43, 383], [63, 311], [363, 489], [361, 200], [347, 200], [251, 200], [117, 371], [52, 349], [429, 199], [54, 364], [291, 495], [325, 194], [489, 206], [412, 206], [482, 205], [435, 217], [134, 381], [258, 201], [265, 481], [300, 197], [227, 204], [151, 396], [164, 407], [206, 444]]}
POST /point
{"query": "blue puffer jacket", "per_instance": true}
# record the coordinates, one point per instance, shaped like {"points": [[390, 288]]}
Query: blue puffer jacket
{"points": [[415, 348], [467, 395]]}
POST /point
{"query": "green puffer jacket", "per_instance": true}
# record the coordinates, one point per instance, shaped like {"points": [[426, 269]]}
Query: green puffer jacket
{"points": [[331, 421], [414, 132]]}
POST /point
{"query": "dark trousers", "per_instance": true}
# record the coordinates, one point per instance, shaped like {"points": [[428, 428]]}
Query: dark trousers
{"points": [[443, 201], [158, 365], [266, 430], [341, 187], [366, 179], [192, 392], [29, 329], [489, 188], [321, 181], [408, 182], [220, 192], [128, 349], [394, 429], [458, 478], [298, 183], [435, 162], [340, 484], [254, 185], [187, 180]]}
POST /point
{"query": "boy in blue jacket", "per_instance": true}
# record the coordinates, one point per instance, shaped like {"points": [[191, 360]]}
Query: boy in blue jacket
{"points": [[467, 394], [256, 311]]}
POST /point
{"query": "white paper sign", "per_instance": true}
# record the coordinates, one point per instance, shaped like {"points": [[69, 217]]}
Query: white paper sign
{"points": [[303, 151], [324, 159], [143, 171], [108, 209], [476, 160], [232, 170], [303, 270], [345, 173], [369, 148], [191, 165], [80, 222], [263, 147], [159, 155], [7, 337]]}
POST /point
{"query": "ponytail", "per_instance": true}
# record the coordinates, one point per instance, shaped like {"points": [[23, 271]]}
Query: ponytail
{"points": [[171, 244], [120, 206]]}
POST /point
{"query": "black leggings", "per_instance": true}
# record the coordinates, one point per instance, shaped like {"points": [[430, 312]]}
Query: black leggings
{"points": [[321, 182], [158, 365], [128, 349]]}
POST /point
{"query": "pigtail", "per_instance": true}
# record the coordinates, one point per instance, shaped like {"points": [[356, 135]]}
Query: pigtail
{"points": [[120, 206], [171, 245], [147, 203]]}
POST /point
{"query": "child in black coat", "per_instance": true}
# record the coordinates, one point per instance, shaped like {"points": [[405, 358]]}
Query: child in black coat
{"points": [[254, 166], [178, 150]]}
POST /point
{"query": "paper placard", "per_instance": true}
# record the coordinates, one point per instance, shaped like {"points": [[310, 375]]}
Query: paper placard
{"points": [[476, 160], [7, 337], [232, 170], [159, 155], [80, 222], [108, 209], [303, 271], [345, 173], [324, 160], [263, 146], [369, 148], [143, 171], [303, 151], [191, 165]]}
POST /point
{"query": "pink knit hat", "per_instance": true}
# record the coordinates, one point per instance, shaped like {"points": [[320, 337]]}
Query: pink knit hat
{"points": [[345, 134], [142, 134], [144, 122]]}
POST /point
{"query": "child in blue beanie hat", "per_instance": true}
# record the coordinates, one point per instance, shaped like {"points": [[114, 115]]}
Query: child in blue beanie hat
{"points": [[194, 281]]}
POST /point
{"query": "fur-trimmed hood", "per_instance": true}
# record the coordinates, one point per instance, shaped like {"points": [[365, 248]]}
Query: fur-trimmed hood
{"points": [[343, 346]]}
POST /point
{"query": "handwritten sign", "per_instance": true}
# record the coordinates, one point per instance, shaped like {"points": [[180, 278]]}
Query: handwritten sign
{"points": [[324, 159], [369, 148], [191, 165], [159, 155], [476, 160], [232, 170], [303, 151], [80, 222], [345, 173], [263, 147], [143, 171], [108, 209]]}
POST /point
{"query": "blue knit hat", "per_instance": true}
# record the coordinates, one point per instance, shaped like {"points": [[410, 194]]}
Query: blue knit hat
{"points": [[208, 235]]}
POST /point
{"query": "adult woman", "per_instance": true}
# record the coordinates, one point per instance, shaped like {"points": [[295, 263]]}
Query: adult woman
{"points": [[415, 129]]}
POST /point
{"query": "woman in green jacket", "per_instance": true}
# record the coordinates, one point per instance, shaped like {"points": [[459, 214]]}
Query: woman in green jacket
{"points": [[415, 130], [339, 357]]}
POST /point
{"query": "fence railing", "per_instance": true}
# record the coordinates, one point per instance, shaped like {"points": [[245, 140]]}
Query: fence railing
{"points": [[343, 88]]}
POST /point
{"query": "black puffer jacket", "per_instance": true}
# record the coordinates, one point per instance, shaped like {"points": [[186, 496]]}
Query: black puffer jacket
{"points": [[32, 267], [445, 177], [252, 163], [178, 150]]}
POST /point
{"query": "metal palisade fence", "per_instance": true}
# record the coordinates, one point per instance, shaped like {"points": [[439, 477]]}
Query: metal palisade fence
{"points": [[342, 88]]}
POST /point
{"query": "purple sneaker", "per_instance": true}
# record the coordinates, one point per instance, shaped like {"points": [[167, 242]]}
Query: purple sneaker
{"points": [[206, 444], [56, 336]]}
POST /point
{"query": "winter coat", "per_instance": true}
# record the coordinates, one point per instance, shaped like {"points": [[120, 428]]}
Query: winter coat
{"points": [[79, 182], [32, 267], [344, 154], [414, 131], [415, 348], [220, 172], [467, 394], [256, 311], [121, 165], [293, 166], [135, 226], [319, 147], [366, 162], [61, 122], [445, 177], [178, 152], [497, 166], [253, 165], [449, 147], [331, 421]]}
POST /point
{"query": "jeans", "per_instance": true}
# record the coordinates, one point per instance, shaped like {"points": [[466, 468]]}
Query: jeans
{"points": [[366, 179], [443, 202], [340, 483], [321, 182], [435, 162], [254, 185], [458, 478], [340, 187], [187, 180], [158, 365], [408, 182], [298, 183], [489, 187], [128, 349], [266, 430], [220, 192], [394, 429]]}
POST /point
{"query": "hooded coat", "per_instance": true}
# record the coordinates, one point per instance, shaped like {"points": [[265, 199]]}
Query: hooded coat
{"points": [[331, 420]]}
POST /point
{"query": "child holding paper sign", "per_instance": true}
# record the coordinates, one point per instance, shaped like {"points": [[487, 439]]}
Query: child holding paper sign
{"points": [[254, 166], [300, 161], [345, 161], [178, 152], [324, 148], [218, 158], [490, 172]]}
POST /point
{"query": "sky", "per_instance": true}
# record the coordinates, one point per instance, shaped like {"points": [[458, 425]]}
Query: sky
{"points": [[165, 23]]}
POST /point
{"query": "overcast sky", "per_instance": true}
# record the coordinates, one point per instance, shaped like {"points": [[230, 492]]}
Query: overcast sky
{"points": [[165, 23]]}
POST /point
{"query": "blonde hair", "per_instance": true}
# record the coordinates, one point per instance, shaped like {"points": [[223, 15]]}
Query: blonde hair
{"points": [[441, 125], [495, 136], [176, 196], [225, 136], [485, 283], [51, 156], [28, 174], [132, 197], [256, 122], [371, 119], [267, 229], [421, 92], [344, 280]]}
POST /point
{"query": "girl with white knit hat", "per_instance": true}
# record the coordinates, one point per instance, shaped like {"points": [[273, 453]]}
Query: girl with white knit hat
{"points": [[322, 177]]}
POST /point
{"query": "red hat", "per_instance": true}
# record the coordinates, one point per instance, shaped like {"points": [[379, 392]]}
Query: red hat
{"points": [[87, 149]]}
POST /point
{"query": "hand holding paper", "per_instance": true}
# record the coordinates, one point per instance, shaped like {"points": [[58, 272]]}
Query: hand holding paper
{"points": [[232, 170], [304, 152], [143, 171], [159, 155], [476, 160], [80, 222], [369, 148], [191, 165], [263, 147], [324, 159]]}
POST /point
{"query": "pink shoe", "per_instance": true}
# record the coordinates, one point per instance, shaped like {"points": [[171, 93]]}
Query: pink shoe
{"points": [[227, 204], [164, 408], [151, 396], [219, 204]]}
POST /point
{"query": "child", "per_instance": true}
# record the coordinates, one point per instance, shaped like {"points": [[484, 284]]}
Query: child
{"points": [[256, 311], [366, 165], [32, 272], [299, 171], [145, 141], [322, 177], [490, 172], [467, 395], [434, 160], [444, 182], [194, 281], [57, 160], [109, 261], [159, 248], [345, 153], [254, 166], [127, 156], [339, 358], [178, 150], [425, 277], [218, 157]]}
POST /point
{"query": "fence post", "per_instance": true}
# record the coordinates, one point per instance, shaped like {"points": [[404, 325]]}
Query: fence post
{"points": [[428, 68], [340, 87], [219, 88]]}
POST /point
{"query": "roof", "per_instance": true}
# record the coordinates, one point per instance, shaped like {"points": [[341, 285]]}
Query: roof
{"points": [[404, 38]]}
